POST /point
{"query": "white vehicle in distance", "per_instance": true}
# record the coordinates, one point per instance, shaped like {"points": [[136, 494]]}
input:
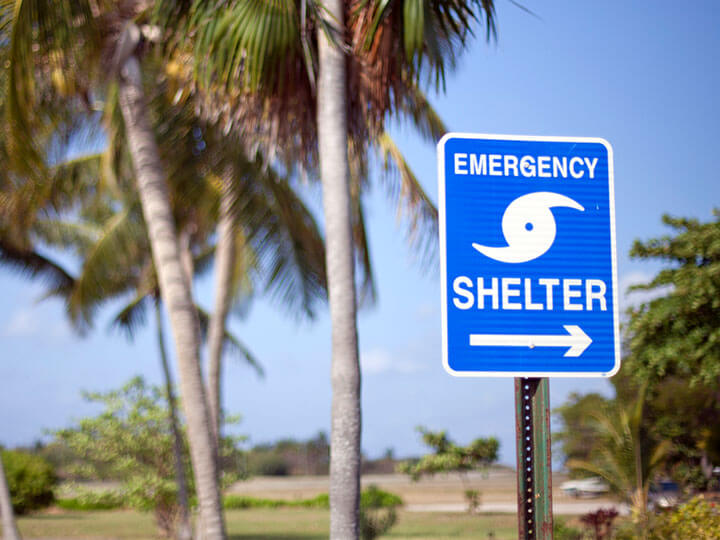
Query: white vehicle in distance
{"points": [[663, 495], [586, 487]]}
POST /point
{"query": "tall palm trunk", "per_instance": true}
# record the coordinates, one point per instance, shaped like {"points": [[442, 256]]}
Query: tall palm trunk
{"points": [[174, 289], [186, 257], [9, 529], [184, 530], [224, 262], [345, 368]]}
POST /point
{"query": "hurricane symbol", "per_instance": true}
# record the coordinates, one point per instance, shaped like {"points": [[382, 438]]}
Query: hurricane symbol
{"points": [[529, 227]]}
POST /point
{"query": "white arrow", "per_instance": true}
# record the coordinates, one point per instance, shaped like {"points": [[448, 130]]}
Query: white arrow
{"points": [[576, 339]]}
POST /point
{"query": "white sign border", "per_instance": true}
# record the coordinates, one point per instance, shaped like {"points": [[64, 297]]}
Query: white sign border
{"points": [[443, 253]]}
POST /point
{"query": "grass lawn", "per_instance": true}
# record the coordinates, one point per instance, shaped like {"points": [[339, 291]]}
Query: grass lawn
{"points": [[265, 524]]}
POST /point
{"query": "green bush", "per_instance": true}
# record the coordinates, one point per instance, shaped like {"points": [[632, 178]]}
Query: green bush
{"points": [[377, 512], [697, 519], [92, 500], [473, 498], [242, 502], [374, 497], [562, 531], [30, 479], [321, 501]]}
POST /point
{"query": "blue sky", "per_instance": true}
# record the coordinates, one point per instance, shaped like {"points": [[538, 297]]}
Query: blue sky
{"points": [[644, 76]]}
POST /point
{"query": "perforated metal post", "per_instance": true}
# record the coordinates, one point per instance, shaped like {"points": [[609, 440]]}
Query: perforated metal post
{"points": [[534, 481]]}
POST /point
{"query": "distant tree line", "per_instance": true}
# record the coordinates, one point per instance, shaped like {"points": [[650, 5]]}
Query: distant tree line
{"points": [[284, 457], [289, 457], [292, 457]]}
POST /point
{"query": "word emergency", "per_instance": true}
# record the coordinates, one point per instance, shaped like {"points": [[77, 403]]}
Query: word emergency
{"points": [[525, 166]]}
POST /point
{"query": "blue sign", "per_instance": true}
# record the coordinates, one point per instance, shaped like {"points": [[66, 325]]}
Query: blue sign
{"points": [[527, 240]]}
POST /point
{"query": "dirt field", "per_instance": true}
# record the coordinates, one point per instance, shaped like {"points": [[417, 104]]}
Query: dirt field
{"points": [[442, 493]]}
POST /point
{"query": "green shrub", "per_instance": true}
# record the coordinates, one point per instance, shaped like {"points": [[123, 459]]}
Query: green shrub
{"points": [[473, 498], [321, 501], [131, 441], [377, 512], [30, 479], [374, 497], [697, 519], [371, 499], [92, 500], [562, 531], [242, 502]]}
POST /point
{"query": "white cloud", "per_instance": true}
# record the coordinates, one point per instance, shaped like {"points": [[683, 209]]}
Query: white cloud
{"points": [[630, 299], [34, 323], [376, 361], [22, 323]]}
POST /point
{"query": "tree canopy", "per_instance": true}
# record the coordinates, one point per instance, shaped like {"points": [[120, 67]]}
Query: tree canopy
{"points": [[448, 456], [678, 333], [672, 354]]}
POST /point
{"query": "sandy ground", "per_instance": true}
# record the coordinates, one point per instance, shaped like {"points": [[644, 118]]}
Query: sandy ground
{"points": [[442, 493]]}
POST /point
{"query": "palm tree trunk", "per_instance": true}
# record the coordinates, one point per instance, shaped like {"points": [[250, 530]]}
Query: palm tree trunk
{"points": [[174, 289], [184, 531], [187, 257], [9, 528], [224, 262], [345, 368]]}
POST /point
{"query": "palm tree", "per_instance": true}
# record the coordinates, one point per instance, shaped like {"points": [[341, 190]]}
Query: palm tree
{"points": [[324, 96], [274, 241], [225, 257], [184, 531], [66, 38], [346, 419], [268, 239], [174, 284], [271, 224], [127, 320], [117, 236], [628, 460], [115, 258]]}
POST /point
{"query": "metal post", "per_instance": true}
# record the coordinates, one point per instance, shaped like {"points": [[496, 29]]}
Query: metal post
{"points": [[532, 425]]}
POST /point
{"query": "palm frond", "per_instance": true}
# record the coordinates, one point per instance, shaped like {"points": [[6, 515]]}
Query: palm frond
{"points": [[74, 181], [367, 291], [202, 260], [246, 42], [236, 348], [32, 264], [132, 316], [108, 266], [413, 204], [66, 235], [295, 265], [230, 342], [49, 41], [246, 266], [423, 116]]}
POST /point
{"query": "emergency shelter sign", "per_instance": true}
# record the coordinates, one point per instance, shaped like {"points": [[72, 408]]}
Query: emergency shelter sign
{"points": [[528, 264]]}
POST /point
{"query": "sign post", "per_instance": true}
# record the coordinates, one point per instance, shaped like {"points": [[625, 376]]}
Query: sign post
{"points": [[529, 279], [534, 458]]}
